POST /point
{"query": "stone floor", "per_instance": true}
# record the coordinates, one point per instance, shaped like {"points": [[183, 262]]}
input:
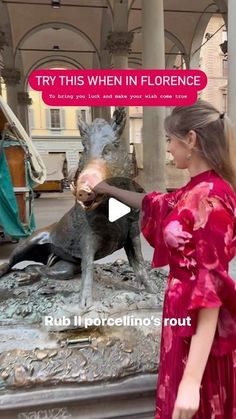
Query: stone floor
{"points": [[50, 207]]}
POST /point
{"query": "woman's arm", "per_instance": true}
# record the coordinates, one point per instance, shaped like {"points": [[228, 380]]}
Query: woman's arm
{"points": [[187, 401], [133, 199]]}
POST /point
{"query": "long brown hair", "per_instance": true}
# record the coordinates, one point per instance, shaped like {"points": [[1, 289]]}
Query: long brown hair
{"points": [[215, 136]]}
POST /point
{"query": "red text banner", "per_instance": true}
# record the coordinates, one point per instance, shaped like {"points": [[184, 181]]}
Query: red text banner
{"points": [[118, 87]]}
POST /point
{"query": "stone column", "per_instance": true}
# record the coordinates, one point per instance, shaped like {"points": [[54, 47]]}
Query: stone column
{"points": [[95, 110], [103, 112], [100, 111], [232, 61], [1, 67], [3, 43], [11, 78], [24, 101], [154, 148], [119, 45]]}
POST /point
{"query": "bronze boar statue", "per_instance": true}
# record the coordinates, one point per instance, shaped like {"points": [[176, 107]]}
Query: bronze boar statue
{"points": [[84, 233]]}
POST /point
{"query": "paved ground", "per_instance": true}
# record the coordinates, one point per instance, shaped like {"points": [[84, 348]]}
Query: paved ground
{"points": [[50, 207]]}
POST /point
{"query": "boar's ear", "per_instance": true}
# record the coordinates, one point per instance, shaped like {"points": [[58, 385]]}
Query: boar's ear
{"points": [[118, 121], [83, 128]]}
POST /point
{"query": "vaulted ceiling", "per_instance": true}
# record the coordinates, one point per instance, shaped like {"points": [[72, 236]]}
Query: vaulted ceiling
{"points": [[72, 36]]}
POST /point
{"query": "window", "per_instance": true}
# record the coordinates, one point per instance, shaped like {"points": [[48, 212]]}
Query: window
{"points": [[83, 114], [224, 102], [31, 118], [224, 36], [55, 118], [225, 67]]}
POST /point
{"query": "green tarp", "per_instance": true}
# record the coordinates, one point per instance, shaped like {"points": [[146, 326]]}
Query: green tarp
{"points": [[9, 214]]}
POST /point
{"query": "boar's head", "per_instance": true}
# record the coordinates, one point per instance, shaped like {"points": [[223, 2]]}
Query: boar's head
{"points": [[101, 140], [101, 143]]}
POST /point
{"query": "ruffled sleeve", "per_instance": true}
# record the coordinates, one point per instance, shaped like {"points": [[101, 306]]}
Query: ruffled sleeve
{"points": [[155, 207], [212, 286]]}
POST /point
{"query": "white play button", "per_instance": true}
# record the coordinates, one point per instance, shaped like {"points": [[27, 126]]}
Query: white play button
{"points": [[116, 210]]}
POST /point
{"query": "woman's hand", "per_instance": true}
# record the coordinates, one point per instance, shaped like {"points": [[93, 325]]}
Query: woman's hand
{"points": [[93, 182], [188, 399], [97, 185]]}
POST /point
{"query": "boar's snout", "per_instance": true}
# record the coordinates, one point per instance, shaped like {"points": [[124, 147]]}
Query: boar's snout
{"points": [[94, 172], [85, 193]]}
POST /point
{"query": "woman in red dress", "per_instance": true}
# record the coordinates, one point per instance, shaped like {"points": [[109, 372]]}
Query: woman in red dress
{"points": [[194, 231]]}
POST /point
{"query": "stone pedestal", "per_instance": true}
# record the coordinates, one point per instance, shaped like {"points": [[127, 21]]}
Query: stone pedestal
{"points": [[131, 398], [100, 363]]}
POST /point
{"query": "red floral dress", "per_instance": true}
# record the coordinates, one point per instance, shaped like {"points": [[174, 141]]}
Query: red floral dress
{"points": [[194, 231]]}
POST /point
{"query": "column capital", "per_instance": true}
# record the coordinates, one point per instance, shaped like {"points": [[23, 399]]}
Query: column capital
{"points": [[3, 40], [11, 76], [23, 98], [119, 43]]}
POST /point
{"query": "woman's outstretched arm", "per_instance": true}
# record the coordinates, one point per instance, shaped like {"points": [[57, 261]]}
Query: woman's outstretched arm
{"points": [[130, 198]]}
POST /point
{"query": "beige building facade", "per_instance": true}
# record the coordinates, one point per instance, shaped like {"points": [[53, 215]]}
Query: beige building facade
{"points": [[215, 64]]}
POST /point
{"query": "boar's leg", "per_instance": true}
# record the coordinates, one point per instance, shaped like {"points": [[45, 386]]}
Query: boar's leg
{"points": [[4, 268], [134, 254], [63, 269], [88, 253], [26, 251], [36, 248]]}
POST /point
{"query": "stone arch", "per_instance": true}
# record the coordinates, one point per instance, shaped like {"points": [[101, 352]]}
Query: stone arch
{"points": [[221, 4], [179, 46], [110, 9], [223, 8], [5, 26], [198, 35], [65, 25], [170, 60], [47, 60]]}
